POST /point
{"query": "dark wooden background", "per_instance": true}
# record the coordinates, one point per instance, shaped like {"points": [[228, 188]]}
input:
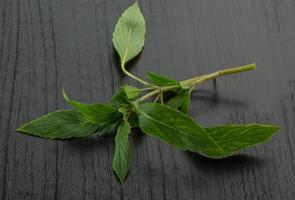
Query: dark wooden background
{"points": [[47, 44]]}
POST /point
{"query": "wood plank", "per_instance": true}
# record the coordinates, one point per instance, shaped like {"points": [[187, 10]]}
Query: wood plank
{"points": [[46, 45]]}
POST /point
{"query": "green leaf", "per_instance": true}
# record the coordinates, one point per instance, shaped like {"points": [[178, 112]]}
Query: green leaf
{"points": [[120, 99], [129, 34], [125, 95], [60, 125], [160, 80], [232, 138], [184, 85], [181, 100], [130, 91], [122, 156], [101, 114], [176, 101], [186, 102], [179, 130]]}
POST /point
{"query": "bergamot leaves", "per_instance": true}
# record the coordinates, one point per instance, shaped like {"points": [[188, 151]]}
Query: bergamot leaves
{"points": [[129, 34]]}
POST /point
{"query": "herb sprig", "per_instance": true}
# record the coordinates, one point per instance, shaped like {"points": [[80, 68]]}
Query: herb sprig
{"points": [[163, 118]]}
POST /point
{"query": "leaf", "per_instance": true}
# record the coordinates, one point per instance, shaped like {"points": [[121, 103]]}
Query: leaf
{"points": [[184, 85], [122, 156], [101, 114], [186, 102], [181, 100], [179, 130], [160, 80], [130, 91], [232, 138], [125, 95], [120, 99], [130, 116], [107, 128], [176, 101], [129, 34], [60, 125]]}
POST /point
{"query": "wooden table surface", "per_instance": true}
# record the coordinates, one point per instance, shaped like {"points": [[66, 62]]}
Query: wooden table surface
{"points": [[48, 44]]}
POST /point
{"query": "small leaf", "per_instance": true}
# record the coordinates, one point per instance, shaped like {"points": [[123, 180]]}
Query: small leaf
{"points": [[232, 138], [122, 156], [130, 91], [120, 99], [101, 114], [125, 96], [60, 125], [184, 85], [186, 102], [128, 37], [160, 80], [181, 100], [176, 101]]}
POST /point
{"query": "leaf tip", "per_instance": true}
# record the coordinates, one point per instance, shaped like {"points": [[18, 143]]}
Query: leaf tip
{"points": [[21, 128], [65, 95], [273, 127], [122, 180], [276, 127], [136, 4], [121, 177]]}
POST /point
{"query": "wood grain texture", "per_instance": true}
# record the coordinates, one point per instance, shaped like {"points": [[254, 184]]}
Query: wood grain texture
{"points": [[47, 44]]}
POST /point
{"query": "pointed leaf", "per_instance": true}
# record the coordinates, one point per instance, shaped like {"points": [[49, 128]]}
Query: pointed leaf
{"points": [[181, 100], [122, 156], [160, 80], [131, 92], [179, 130], [232, 138], [176, 101], [120, 99], [128, 37], [186, 102], [60, 125], [101, 114]]}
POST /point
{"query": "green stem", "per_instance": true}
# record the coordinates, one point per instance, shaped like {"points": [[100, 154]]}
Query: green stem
{"points": [[197, 80], [157, 98], [200, 79], [134, 77], [155, 92], [161, 98]]}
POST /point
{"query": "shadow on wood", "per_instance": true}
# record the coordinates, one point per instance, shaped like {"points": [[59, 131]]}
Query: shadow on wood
{"points": [[220, 166]]}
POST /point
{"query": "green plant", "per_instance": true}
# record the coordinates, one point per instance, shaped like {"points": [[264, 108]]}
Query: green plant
{"points": [[166, 120]]}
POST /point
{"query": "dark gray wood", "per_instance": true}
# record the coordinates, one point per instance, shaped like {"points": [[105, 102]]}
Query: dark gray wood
{"points": [[47, 44]]}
